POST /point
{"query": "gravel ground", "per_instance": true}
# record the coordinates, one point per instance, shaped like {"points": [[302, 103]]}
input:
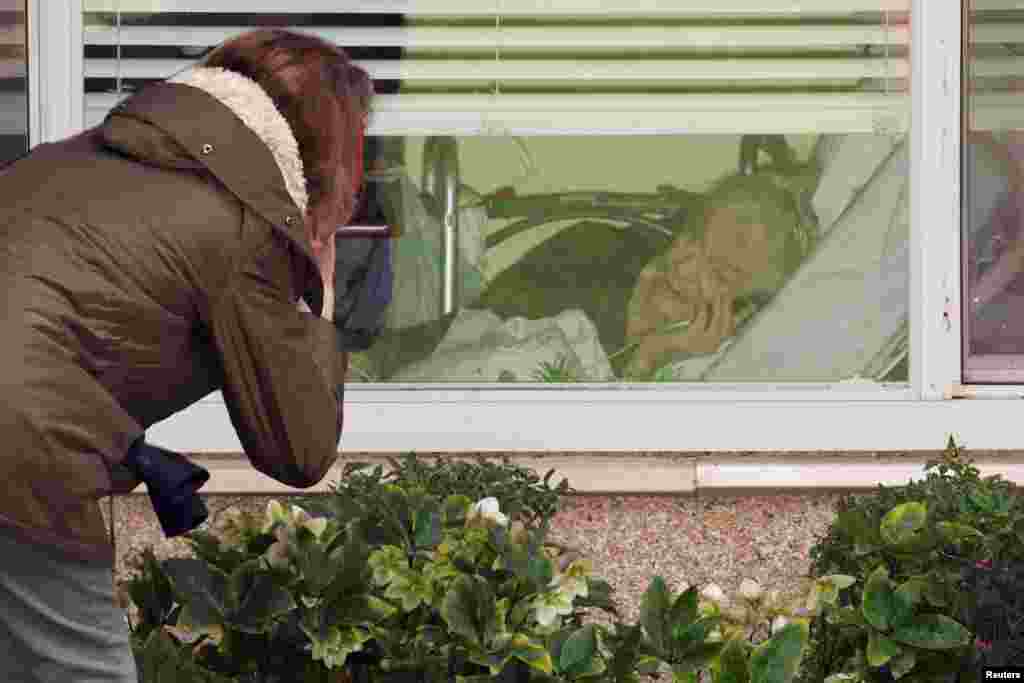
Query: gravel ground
{"points": [[686, 539]]}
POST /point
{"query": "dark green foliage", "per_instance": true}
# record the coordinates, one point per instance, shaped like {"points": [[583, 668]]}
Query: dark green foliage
{"points": [[524, 496], [968, 518]]}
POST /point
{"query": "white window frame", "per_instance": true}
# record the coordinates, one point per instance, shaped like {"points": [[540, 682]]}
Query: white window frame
{"points": [[847, 416]]}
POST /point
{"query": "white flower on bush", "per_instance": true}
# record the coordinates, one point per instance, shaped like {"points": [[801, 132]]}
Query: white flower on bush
{"points": [[231, 525], [317, 525], [277, 555], [488, 509], [284, 520], [713, 593], [276, 512], [549, 606], [573, 581], [777, 624]]}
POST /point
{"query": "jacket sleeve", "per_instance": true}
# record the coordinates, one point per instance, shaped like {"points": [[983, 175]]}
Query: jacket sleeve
{"points": [[283, 372]]}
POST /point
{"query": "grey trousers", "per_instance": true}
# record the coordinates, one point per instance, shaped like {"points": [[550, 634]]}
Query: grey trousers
{"points": [[58, 619]]}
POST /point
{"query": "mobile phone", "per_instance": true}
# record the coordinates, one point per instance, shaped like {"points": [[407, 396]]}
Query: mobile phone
{"points": [[377, 231]]}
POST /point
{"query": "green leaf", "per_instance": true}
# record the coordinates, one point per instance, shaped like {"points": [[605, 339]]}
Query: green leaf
{"points": [[935, 593], [519, 614], [316, 570], [648, 664], [776, 660], [846, 616], [361, 610], [351, 569], [902, 665], [903, 522], [526, 650], [157, 651], [877, 604], [151, 592], [954, 532], [625, 661], [684, 675], [653, 608], [264, 602], [684, 611], [697, 656], [468, 608], [686, 638], [983, 502], [432, 635], [855, 525], [202, 588], [932, 632], [454, 509], [903, 600], [428, 528], [881, 649], [540, 571], [578, 650], [732, 664]]}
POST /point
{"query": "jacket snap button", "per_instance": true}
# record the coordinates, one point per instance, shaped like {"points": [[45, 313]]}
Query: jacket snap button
{"points": [[207, 149], [289, 220]]}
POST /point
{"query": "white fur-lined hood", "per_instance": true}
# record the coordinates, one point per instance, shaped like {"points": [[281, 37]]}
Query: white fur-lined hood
{"points": [[250, 103]]}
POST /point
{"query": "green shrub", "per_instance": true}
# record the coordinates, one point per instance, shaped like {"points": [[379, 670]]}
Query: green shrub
{"points": [[456, 593], [961, 519], [524, 496]]}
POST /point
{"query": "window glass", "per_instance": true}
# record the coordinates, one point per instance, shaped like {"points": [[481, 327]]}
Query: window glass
{"points": [[993, 173], [613, 192], [13, 81]]}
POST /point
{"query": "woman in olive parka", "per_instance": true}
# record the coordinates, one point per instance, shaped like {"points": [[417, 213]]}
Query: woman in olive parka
{"points": [[179, 248]]}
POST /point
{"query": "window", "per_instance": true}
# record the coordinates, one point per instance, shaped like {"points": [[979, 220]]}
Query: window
{"points": [[609, 191], [993, 182], [13, 81], [837, 74]]}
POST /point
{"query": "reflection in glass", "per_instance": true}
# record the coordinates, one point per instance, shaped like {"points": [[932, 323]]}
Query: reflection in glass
{"points": [[994, 192], [551, 229], [13, 81], [623, 258]]}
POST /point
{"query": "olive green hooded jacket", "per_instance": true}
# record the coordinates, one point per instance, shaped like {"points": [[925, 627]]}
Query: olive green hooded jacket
{"points": [[146, 263]]}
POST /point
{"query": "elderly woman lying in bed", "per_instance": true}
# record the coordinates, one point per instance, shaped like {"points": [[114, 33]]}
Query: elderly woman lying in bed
{"points": [[754, 233]]}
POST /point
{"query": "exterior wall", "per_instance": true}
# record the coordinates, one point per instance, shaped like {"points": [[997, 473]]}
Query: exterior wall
{"points": [[644, 473]]}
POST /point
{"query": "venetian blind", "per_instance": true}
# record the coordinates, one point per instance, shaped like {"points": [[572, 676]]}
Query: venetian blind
{"points": [[995, 65], [536, 67], [13, 71]]}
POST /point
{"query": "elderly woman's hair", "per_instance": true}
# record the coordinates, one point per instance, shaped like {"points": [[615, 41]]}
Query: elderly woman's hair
{"points": [[325, 98]]}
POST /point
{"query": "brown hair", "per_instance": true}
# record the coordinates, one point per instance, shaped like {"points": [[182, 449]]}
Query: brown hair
{"points": [[325, 98]]}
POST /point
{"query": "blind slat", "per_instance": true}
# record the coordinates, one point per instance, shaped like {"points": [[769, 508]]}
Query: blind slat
{"points": [[600, 8], [548, 38], [804, 70], [615, 114]]}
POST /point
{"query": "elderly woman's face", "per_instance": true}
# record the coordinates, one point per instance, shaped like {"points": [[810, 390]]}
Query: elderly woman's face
{"points": [[738, 246]]}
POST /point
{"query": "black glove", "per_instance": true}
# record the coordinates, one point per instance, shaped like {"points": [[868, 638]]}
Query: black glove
{"points": [[172, 482], [362, 290]]}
